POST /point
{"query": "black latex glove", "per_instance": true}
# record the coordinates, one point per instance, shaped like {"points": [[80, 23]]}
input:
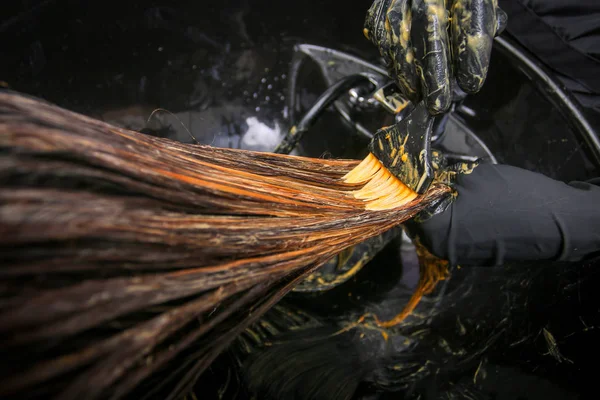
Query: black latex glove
{"points": [[412, 37], [504, 213]]}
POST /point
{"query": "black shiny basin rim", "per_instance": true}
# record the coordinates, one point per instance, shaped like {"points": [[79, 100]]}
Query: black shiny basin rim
{"points": [[326, 99], [553, 90]]}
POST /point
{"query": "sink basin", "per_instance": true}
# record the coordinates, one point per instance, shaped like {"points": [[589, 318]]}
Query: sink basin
{"points": [[222, 74]]}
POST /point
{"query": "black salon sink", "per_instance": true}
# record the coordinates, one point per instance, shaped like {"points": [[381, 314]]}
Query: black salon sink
{"points": [[222, 71]]}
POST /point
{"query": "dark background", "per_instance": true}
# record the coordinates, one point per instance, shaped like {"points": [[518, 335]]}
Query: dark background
{"points": [[223, 62]]}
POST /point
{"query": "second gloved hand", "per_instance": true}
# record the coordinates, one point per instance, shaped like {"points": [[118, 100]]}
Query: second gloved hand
{"points": [[502, 213], [412, 37]]}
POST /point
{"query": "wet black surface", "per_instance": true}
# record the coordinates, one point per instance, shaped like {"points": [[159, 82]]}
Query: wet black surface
{"points": [[120, 60], [524, 129], [222, 68]]}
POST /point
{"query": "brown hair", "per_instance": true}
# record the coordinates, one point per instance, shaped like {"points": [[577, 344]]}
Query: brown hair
{"points": [[121, 251]]}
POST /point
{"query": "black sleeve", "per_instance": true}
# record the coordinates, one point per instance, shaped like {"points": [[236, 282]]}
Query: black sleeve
{"points": [[565, 36], [504, 213]]}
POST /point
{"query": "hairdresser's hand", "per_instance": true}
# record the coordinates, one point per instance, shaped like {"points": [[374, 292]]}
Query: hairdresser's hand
{"points": [[502, 213], [412, 37]]}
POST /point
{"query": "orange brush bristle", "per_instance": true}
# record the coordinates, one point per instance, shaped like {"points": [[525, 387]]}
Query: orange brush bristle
{"points": [[382, 191]]}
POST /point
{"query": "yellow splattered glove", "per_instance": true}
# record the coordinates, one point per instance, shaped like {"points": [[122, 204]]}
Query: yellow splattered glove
{"points": [[427, 43]]}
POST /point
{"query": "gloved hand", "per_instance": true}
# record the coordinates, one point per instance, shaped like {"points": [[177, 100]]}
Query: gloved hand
{"points": [[413, 40], [503, 213]]}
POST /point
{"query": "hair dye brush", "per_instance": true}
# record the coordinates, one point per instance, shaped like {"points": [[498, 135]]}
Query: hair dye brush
{"points": [[130, 262], [399, 162]]}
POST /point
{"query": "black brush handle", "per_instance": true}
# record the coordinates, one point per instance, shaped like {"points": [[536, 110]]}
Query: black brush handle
{"points": [[405, 149]]}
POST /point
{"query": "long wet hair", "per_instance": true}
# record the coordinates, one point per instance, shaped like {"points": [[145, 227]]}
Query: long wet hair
{"points": [[126, 256]]}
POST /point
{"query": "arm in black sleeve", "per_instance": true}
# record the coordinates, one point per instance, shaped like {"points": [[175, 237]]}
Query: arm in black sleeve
{"points": [[565, 36], [504, 213]]}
